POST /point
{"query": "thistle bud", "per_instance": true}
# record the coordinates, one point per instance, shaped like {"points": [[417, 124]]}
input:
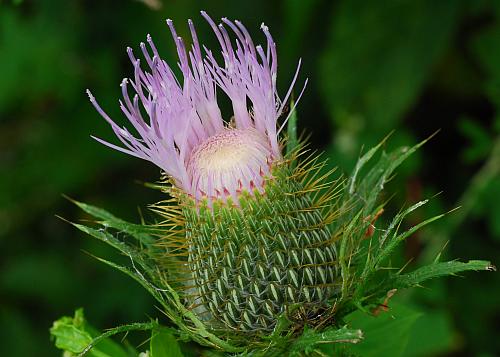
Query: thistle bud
{"points": [[255, 257]]}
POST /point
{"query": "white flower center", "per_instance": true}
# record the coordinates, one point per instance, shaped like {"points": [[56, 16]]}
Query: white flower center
{"points": [[229, 162]]}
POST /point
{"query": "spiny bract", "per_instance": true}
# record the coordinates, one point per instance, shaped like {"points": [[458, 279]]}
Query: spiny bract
{"points": [[250, 262]]}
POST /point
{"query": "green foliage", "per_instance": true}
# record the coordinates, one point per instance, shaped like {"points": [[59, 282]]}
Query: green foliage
{"points": [[437, 270], [164, 344], [70, 333], [362, 67], [365, 280], [430, 335], [144, 270], [479, 138], [386, 334], [365, 276], [372, 58], [75, 336], [310, 339], [142, 233]]}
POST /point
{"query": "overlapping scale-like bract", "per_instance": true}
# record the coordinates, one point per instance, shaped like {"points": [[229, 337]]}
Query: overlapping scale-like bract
{"points": [[253, 264]]}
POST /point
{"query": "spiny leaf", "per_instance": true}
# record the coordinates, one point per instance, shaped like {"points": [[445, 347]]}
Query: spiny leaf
{"points": [[374, 181], [144, 283], [363, 160], [436, 270], [176, 311], [138, 326], [389, 248], [311, 338], [141, 232], [348, 245], [134, 253], [381, 254]]}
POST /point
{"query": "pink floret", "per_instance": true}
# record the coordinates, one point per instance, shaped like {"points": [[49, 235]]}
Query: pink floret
{"points": [[183, 115]]}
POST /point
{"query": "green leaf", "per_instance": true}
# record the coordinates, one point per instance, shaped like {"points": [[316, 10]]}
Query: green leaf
{"points": [[133, 253], [74, 335], [379, 57], [393, 242], [174, 309], [282, 324], [374, 181], [385, 246], [70, 334], [103, 338], [362, 161], [484, 47], [436, 270], [141, 280], [311, 338], [386, 334], [363, 190], [141, 232], [164, 344], [432, 335]]}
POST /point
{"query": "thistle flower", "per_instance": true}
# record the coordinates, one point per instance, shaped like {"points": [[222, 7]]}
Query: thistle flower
{"points": [[185, 134], [262, 243], [246, 258]]}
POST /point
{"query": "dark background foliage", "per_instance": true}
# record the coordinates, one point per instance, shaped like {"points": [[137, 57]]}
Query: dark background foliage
{"points": [[409, 66]]}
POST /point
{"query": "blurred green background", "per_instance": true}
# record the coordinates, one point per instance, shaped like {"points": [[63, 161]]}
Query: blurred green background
{"points": [[409, 66]]}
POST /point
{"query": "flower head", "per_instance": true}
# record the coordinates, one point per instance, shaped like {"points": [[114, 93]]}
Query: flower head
{"points": [[184, 133]]}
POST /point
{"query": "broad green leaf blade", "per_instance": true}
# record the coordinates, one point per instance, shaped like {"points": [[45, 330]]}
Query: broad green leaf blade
{"points": [[164, 344], [311, 338], [379, 57], [386, 334], [433, 334], [74, 335], [69, 333], [436, 270]]}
